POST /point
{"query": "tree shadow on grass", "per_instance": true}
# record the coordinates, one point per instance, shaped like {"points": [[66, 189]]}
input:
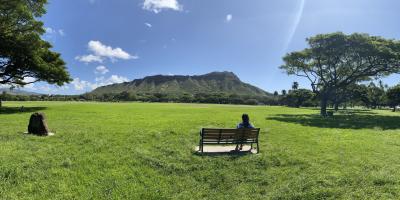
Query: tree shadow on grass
{"points": [[14, 110], [365, 120], [347, 111]]}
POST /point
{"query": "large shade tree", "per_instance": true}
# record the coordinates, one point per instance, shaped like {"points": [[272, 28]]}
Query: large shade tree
{"points": [[334, 61], [24, 56]]}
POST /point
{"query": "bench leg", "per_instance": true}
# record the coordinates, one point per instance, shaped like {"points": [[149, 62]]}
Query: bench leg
{"points": [[201, 146], [258, 148]]}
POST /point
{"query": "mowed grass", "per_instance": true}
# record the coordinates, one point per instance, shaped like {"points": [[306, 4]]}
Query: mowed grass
{"points": [[146, 151]]}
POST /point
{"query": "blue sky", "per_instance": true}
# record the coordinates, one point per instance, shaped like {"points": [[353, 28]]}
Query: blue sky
{"points": [[106, 41]]}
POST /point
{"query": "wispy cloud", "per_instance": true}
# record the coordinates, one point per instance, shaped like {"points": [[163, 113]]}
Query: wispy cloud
{"points": [[158, 5], [51, 32], [148, 25], [101, 70], [89, 58], [228, 17], [61, 32], [101, 51]]}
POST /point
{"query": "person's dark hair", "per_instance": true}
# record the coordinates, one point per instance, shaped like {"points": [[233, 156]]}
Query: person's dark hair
{"points": [[246, 120]]}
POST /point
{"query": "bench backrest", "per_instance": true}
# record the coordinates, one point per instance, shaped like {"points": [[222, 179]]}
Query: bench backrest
{"points": [[230, 135]]}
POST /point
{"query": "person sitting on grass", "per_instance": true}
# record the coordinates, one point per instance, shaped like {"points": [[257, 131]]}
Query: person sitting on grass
{"points": [[244, 124]]}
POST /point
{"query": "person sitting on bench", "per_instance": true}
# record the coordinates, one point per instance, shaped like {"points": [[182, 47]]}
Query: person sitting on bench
{"points": [[244, 124]]}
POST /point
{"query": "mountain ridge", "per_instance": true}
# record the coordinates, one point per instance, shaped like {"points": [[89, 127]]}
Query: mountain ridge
{"points": [[214, 82]]}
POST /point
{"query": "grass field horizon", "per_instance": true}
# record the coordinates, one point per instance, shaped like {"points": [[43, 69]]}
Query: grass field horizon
{"points": [[146, 151]]}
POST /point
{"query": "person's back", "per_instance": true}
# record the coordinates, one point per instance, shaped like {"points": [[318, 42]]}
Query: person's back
{"points": [[244, 124]]}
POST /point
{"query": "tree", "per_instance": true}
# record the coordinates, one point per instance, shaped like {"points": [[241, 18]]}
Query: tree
{"points": [[24, 57], [335, 61], [295, 85], [375, 95], [299, 97], [284, 92], [393, 96]]}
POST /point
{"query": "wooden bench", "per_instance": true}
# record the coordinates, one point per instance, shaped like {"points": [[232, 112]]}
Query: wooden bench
{"points": [[217, 136]]}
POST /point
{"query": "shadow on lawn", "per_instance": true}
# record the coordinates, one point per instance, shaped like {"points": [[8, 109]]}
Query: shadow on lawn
{"points": [[356, 120], [348, 111], [216, 154], [14, 110]]}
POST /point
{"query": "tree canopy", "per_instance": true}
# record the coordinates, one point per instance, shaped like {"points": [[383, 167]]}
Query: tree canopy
{"points": [[24, 55], [393, 95], [336, 60]]}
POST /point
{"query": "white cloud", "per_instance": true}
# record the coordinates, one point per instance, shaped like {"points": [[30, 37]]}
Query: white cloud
{"points": [[54, 32], [159, 5], [4, 85], [99, 81], [25, 80], [101, 51], [61, 32], [89, 58], [49, 30], [107, 51], [29, 80], [101, 70], [117, 79], [80, 84], [148, 25], [228, 17]]}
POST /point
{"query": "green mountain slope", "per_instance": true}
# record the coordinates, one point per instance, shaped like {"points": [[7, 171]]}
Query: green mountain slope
{"points": [[215, 82], [17, 91]]}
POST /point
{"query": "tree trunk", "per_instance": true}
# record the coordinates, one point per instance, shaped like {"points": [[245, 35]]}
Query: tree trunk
{"points": [[336, 106], [324, 102], [394, 109]]}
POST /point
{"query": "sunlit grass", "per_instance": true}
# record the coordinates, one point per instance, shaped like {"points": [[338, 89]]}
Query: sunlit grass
{"points": [[146, 151]]}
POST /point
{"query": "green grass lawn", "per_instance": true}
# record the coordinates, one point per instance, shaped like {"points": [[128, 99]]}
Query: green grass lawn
{"points": [[146, 151]]}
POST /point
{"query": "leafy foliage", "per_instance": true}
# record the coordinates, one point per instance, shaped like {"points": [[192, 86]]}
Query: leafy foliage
{"points": [[335, 61], [299, 97], [23, 53]]}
